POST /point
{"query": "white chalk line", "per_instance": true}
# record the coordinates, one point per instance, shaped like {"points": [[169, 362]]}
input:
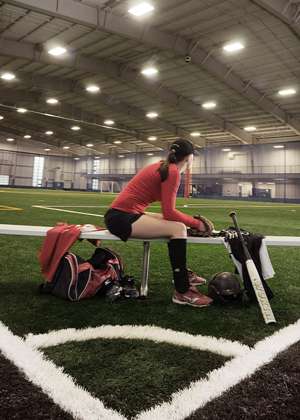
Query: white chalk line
{"points": [[68, 211], [207, 206], [61, 388]]}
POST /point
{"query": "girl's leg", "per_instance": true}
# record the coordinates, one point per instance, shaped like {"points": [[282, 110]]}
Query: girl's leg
{"points": [[150, 227]]}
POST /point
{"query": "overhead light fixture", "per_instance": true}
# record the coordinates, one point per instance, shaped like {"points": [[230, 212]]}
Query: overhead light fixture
{"points": [[76, 158], [49, 132], [89, 145], [226, 150], [195, 134], [141, 9], [152, 115], [209, 105], [57, 51], [149, 71], [279, 146], [150, 154], [52, 101], [121, 156], [10, 139], [47, 150], [117, 142], [22, 110], [152, 138], [66, 147], [75, 127], [287, 92], [92, 88], [1, 118], [233, 47], [96, 157], [250, 128], [109, 122], [27, 136], [7, 76]]}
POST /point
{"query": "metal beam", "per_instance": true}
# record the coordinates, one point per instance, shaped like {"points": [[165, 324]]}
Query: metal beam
{"points": [[12, 95], [96, 18], [104, 99], [26, 51], [37, 131], [38, 139], [288, 11]]}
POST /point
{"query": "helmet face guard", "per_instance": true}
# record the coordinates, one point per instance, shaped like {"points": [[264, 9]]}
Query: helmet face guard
{"points": [[224, 288]]}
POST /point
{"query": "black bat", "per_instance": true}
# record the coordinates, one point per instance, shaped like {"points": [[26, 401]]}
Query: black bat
{"points": [[255, 278]]}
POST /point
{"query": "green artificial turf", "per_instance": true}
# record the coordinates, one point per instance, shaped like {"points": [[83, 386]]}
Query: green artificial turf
{"points": [[26, 311], [133, 375]]}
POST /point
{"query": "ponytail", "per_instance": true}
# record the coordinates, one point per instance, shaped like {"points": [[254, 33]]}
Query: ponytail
{"points": [[165, 164]]}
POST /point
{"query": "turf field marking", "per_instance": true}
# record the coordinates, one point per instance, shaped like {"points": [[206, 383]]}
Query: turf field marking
{"points": [[67, 211], [220, 346], [51, 379], [183, 403], [8, 208]]}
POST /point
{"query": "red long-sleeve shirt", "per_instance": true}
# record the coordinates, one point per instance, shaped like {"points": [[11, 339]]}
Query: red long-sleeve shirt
{"points": [[146, 187]]}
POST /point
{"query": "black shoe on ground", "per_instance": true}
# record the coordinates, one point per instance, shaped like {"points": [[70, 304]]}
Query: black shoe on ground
{"points": [[113, 291], [129, 289]]}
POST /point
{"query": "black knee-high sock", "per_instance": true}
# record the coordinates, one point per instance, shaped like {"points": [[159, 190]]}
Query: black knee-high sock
{"points": [[177, 254]]}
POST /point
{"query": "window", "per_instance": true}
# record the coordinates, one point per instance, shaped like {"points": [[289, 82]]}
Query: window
{"points": [[4, 179], [38, 170], [96, 167]]}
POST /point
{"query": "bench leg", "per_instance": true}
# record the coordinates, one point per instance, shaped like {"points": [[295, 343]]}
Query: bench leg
{"points": [[144, 285]]}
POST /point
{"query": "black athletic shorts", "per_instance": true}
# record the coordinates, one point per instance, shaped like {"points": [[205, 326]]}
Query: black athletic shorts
{"points": [[119, 222]]}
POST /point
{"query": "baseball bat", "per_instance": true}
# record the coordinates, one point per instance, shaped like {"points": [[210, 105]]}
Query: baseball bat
{"points": [[255, 278]]}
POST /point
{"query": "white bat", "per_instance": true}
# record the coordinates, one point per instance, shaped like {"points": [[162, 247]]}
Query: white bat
{"points": [[255, 279]]}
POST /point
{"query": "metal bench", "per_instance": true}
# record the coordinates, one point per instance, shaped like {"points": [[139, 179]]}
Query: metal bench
{"points": [[106, 235]]}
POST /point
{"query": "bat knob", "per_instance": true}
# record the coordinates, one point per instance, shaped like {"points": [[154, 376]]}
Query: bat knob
{"points": [[233, 213]]}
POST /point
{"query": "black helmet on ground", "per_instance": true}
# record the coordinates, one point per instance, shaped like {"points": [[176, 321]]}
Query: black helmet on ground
{"points": [[224, 288]]}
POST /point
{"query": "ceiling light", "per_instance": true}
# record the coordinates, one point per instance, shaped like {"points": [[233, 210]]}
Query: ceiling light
{"points": [[141, 9], [287, 92], [121, 156], [52, 101], [66, 147], [150, 154], [195, 134], [233, 47], [7, 76], [27, 136], [75, 128], [152, 115], [117, 142], [89, 145], [92, 88], [278, 147], [96, 157], [1, 118], [57, 51], [226, 150], [209, 105], [152, 138], [76, 158], [49, 132], [10, 139], [47, 150], [22, 110], [109, 122], [149, 71], [250, 128]]}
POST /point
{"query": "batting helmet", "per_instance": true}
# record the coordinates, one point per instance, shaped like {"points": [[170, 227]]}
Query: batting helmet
{"points": [[224, 287]]}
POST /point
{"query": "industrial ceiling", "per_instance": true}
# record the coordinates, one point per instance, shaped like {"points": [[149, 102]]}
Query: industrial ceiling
{"points": [[199, 91]]}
